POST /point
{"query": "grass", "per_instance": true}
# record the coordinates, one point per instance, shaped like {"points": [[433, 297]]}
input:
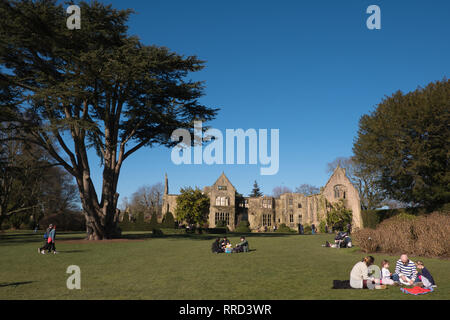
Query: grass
{"points": [[179, 266]]}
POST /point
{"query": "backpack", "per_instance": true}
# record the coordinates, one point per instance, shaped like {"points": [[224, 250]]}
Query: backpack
{"points": [[45, 235]]}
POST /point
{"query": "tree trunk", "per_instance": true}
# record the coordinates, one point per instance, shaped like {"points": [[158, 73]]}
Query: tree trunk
{"points": [[101, 221]]}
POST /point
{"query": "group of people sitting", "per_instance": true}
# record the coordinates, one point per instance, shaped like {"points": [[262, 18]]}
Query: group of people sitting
{"points": [[224, 245], [364, 275]]}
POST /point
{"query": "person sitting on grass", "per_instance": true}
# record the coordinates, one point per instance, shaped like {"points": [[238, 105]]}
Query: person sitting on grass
{"points": [[216, 247], [242, 246], [424, 275], [405, 271], [224, 243], [386, 275], [359, 276]]}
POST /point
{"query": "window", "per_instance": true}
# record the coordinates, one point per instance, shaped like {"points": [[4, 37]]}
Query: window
{"points": [[291, 218], [267, 220], [267, 203], [222, 201], [243, 203], [222, 216], [290, 202], [299, 205], [339, 191], [222, 187]]}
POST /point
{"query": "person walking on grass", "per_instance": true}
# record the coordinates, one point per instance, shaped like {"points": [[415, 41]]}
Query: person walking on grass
{"points": [[52, 236], [46, 245]]}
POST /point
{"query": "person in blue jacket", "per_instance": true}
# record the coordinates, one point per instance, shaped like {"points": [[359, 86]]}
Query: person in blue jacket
{"points": [[52, 236]]}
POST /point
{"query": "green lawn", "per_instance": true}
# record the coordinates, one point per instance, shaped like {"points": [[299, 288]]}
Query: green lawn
{"points": [[180, 266]]}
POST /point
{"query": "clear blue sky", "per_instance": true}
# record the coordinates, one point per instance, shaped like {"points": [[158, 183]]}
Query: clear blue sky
{"points": [[307, 68]]}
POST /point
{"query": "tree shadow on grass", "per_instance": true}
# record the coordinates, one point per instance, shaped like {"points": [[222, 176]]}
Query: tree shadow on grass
{"points": [[17, 238], [204, 236], [14, 284]]}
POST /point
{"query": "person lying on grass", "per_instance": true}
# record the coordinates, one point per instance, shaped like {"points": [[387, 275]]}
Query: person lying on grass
{"points": [[405, 271]]}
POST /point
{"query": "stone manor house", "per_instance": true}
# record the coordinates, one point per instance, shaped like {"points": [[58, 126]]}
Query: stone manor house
{"points": [[261, 212]]}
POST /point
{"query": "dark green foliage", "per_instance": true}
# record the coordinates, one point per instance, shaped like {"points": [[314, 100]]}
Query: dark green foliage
{"points": [[221, 224], [153, 221], [216, 230], [307, 229], [370, 218], [256, 192], [168, 220], [157, 233], [405, 143], [139, 223], [192, 206], [339, 216], [322, 225], [283, 228], [243, 226], [97, 88]]}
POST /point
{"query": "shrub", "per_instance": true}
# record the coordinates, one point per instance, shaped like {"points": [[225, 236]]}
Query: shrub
{"points": [[157, 233], [339, 216], [307, 229], [243, 226], [283, 228], [153, 221], [168, 220], [5, 226], [216, 230], [425, 235], [370, 218], [221, 224], [322, 225]]}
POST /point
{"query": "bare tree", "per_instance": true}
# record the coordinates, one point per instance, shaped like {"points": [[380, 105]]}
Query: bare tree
{"points": [[307, 189], [279, 190], [147, 199], [364, 180]]}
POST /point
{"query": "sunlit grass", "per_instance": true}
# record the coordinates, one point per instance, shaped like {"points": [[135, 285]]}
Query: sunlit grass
{"points": [[180, 266]]}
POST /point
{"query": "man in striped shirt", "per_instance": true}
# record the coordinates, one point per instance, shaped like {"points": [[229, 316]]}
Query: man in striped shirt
{"points": [[405, 270]]}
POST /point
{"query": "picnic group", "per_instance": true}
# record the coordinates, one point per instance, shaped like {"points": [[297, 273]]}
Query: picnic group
{"points": [[224, 246], [366, 275]]}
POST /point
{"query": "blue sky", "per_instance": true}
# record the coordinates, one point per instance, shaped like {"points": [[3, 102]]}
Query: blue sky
{"points": [[307, 68]]}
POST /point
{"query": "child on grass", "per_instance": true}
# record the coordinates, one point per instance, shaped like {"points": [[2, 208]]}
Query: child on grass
{"points": [[425, 275], [385, 273]]}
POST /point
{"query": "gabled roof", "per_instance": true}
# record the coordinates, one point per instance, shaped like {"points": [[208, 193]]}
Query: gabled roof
{"points": [[334, 173], [226, 179]]}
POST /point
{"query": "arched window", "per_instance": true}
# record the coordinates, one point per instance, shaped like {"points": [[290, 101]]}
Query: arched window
{"points": [[339, 191]]}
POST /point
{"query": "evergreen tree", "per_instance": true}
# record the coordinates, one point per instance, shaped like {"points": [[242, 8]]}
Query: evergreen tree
{"points": [[256, 192], [97, 88], [405, 144]]}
